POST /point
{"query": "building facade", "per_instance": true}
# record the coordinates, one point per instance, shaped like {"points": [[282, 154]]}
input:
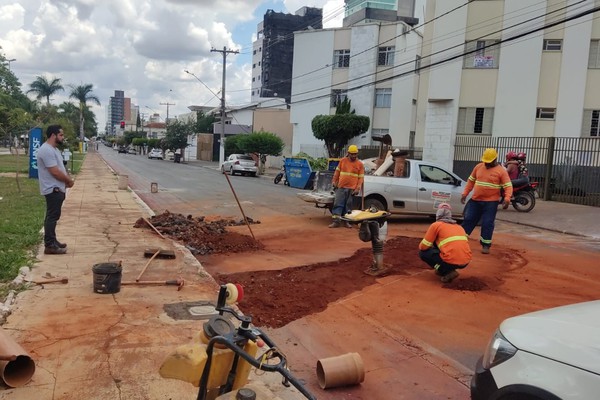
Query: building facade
{"points": [[273, 50], [372, 64], [508, 68]]}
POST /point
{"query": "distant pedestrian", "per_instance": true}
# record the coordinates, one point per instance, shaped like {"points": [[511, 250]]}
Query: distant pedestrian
{"points": [[445, 246], [347, 181], [487, 180], [53, 180]]}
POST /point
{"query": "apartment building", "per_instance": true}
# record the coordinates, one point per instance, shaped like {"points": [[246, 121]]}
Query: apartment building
{"points": [[508, 68]]}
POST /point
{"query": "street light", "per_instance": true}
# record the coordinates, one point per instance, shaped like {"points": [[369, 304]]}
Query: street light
{"points": [[9, 61]]}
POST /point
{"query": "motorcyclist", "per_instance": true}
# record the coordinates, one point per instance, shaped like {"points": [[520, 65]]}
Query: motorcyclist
{"points": [[522, 177], [512, 165]]}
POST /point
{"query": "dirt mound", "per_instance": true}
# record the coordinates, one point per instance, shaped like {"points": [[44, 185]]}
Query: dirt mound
{"points": [[201, 236]]}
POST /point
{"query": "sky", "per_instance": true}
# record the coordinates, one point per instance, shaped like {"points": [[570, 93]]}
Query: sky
{"points": [[142, 47]]}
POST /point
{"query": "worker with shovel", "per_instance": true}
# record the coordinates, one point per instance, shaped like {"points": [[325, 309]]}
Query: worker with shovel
{"points": [[445, 246]]}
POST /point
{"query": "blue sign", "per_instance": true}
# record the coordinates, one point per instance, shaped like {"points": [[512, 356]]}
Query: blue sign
{"points": [[35, 141]]}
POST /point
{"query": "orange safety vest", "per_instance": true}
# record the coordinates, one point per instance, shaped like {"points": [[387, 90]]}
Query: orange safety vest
{"points": [[349, 174], [452, 241], [487, 183]]}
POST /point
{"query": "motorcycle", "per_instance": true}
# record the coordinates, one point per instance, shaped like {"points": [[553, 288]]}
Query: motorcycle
{"points": [[281, 175], [523, 199]]}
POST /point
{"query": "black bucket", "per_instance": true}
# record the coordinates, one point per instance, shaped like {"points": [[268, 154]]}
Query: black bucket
{"points": [[107, 277]]}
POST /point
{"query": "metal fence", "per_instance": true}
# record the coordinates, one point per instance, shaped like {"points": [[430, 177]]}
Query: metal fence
{"points": [[568, 169]]}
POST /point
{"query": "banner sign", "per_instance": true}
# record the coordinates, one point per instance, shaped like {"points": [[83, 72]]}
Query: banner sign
{"points": [[35, 141]]}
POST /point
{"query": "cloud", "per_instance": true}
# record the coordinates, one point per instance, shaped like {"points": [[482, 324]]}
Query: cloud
{"points": [[141, 47]]}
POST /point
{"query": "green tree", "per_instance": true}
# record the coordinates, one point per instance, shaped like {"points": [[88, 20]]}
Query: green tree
{"points": [[83, 93], [43, 87], [177, 135], [336, 130], [262, 144], [204, 123], [232, 145]]}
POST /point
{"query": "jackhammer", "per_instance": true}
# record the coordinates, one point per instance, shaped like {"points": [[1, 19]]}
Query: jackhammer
{"points": [[373, 228]]}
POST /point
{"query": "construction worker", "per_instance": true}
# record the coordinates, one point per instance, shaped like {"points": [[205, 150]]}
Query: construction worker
{"points": [[486, 180], [347, 181], [445, 246]]}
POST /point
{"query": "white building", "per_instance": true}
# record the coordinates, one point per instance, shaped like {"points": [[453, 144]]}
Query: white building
{"points": [[540, 85], [357, 62]]}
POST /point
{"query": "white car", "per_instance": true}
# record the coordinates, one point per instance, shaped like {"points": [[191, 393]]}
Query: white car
{"points": [[240, 164], [155, 153], [552, 354]]}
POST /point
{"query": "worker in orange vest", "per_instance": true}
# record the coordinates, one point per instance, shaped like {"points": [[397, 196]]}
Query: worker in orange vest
{"points": [[487, 180], [347, 181], [445, 246]]}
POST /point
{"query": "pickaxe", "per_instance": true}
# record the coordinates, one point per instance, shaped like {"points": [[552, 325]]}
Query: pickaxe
{"points": [[176, 282]]}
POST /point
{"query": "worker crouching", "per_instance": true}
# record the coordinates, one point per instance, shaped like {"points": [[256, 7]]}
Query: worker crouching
{"points": [[445, 246]]}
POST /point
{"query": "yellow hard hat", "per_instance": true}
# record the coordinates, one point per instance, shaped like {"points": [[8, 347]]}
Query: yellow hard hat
{"points": [[489, 155], [353, 149]]}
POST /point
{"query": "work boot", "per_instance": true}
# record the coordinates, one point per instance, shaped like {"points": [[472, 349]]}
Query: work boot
{"points": [[335, 224], [485, 250], [450, 276], [61, 245], [54, 250]]}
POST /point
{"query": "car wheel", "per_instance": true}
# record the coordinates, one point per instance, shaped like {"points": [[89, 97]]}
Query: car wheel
{"points": [[374, 203], [253, 174], [222, 169], [231, 172]]}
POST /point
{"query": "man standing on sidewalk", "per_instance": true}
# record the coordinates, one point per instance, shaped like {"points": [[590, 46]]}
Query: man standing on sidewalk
{"points": [[487, 180], [54, 180], [347, 181]]}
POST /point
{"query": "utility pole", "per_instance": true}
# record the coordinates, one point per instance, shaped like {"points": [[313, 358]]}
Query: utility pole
{"points": [[167, 104], [222, 138]]}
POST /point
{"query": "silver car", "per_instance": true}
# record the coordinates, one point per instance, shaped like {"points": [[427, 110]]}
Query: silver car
{"points": [[242, 164]]}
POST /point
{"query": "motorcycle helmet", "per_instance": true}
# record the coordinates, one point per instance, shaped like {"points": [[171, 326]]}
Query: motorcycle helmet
{"points": [[521, 156], [511, 155]]}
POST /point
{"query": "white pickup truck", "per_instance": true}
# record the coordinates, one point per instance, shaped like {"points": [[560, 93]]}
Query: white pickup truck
{"points": [[419, 191]]}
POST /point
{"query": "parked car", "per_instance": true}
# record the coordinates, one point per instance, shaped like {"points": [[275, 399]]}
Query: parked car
{"points": [[122, 149], [131, 150], [551, 354], [155, 153], [169, 155], [242, 164], [419, 191]]}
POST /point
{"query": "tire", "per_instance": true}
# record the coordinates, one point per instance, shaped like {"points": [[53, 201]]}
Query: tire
{"points": [[278, 178], [375, 203], [524, 201], [222, 170], [231, 171]]}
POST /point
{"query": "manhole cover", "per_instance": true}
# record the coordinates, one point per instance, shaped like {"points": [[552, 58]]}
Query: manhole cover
{"points": [[197, 310]]}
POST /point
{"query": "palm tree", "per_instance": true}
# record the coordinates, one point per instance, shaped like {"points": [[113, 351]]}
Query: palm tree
{"points": [[43, 87], [83, 93]]}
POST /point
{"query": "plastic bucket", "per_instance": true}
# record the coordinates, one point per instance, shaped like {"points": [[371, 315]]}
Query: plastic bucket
{"points": [[344, 370], [107, 277]]}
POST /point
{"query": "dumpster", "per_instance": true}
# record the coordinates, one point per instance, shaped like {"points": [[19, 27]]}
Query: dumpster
{"points": [[299, 173], [332, 163]]}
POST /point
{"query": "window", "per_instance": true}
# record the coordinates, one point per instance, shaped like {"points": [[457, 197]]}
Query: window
{"points": [[436, 175], [552, 44], [383, 98], [545, 113], [594, 61], [591, 123], [482, 54], [253, 66], [254, 52], [338, 96], [475, 120], [417, 65], [386, 55], [253, 79], [341, 58]]}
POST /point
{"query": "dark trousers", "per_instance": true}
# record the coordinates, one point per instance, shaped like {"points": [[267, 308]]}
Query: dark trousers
{"points": [[484, 210], [433, 259], [342, 202], [54, 203]]}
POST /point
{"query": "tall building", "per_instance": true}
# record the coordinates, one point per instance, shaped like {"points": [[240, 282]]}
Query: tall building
{"points": [[366, 56], [365, 11], [273, 51], [117, 111]]}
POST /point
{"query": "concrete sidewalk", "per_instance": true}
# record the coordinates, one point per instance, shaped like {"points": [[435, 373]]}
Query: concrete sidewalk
{"points": [[105, 346]]}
